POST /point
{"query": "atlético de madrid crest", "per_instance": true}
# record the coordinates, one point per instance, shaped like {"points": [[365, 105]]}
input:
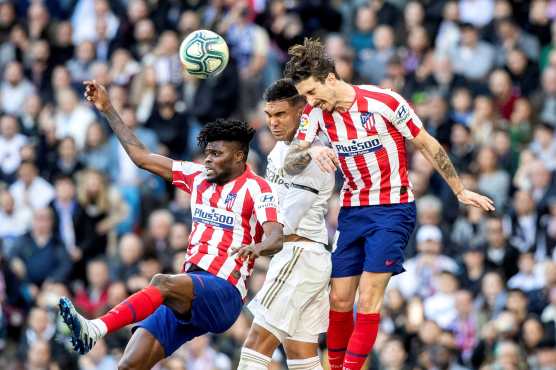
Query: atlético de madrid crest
{"points": [[230, 199], [367, 120]]}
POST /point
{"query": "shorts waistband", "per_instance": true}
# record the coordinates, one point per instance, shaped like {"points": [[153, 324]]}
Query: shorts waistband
{"points": [[310, 246]]}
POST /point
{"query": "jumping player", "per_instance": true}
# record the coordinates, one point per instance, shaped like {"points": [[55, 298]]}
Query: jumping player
{"points": [[231, 208], [368, 127], [292, 306]]}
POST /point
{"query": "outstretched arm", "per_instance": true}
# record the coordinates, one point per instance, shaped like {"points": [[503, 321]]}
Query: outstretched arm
{"points": [[437, 156], [139, 154], [300, 153]]}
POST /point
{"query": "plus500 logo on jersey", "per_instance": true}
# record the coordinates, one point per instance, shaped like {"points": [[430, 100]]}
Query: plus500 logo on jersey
{"points": [[214, 216], [358, 146]]}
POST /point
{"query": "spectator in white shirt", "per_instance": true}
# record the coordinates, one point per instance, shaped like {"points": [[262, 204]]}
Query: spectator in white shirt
{"points": [[472, 58], [202, 356], [31, 191], [14, 221], [420, 270], [11, 142], [477, 12], [544, 145], [85, 16], [526, 279], [72, 118], [440, 307], [15, 89]]}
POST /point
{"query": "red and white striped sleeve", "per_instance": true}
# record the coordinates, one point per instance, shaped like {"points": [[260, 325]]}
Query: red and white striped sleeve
{"points": [[309, 124], [402, 116], [266, 203], [184, 173]]}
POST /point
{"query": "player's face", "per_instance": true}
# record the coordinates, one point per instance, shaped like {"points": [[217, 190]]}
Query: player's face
{"points": [[282, 118], [221, 157], [319, 94]]}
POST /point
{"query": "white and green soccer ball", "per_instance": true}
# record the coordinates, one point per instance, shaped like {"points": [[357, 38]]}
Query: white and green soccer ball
{"points": [[204, 54]]}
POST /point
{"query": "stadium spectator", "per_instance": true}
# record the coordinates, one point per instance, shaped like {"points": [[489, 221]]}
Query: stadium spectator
{"points": [[472, 58], [15, 89], [171, 126], [93, 298], [130, 251], [72, 118], [38, 256], [11, 142]]}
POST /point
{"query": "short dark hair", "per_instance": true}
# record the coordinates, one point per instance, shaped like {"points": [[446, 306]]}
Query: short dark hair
{"points": [[308, 60], [283, 89], [226, 130]]}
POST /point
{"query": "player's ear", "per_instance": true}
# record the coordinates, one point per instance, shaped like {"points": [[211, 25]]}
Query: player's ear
{"points": [[240, 155], [331, 78]]}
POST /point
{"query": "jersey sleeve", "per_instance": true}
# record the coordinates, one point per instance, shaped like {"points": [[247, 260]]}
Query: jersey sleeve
{"points": [[266, 204], [309, 124], [184, 174], [402, 116]]}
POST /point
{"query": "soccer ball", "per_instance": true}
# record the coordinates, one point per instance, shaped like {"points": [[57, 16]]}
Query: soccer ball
{"points": [[204, 54]]}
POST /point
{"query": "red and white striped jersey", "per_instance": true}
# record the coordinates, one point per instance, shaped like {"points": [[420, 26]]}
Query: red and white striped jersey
{"points": [[225, 216], [369, 140]]}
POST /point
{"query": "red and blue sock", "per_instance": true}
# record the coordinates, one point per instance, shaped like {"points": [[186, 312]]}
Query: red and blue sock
{"points": [[362, 340]]}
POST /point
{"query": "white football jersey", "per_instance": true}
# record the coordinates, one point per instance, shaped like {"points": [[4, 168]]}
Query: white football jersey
{"points": [[302, 199]]}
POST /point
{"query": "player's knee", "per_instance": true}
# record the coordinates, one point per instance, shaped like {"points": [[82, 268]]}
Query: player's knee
{"points": [[340, 301], [160, 281], [369, 302], [251, 340], [127, 364]]}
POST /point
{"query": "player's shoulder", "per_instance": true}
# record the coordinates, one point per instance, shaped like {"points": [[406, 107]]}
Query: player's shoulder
{"points": [[257, 184], [311, 113], [381, 95]]}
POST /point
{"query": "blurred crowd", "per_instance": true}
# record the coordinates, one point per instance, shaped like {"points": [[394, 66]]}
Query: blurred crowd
{"points": [[77, 218]]}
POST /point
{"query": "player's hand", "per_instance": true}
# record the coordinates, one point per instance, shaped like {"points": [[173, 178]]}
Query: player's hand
{"points": [[471, 198], [96, 93], [246, 251], [324, 157]]}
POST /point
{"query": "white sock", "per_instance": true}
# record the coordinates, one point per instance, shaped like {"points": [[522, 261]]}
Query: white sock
{"points": [[100, 325], [312, 363], [253, 360]]}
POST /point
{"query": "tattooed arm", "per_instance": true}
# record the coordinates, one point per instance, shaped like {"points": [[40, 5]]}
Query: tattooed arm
{"points": [[437, 156], [300, 154], [139, 154]]}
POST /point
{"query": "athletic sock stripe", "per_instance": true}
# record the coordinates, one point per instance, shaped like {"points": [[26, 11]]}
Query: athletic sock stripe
{"points": [[132, 309], [283, 271], [253, 358], [356, 354], [337, 349], [286, 277], [304, 366]]}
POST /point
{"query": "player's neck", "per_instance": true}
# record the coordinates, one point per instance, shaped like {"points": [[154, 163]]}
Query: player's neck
{"points": [[346, 96], [233, 175]]}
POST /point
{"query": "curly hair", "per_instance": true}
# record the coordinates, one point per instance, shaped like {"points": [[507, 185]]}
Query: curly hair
{"points": [[283, 89], [308, 60], [226, 130]]}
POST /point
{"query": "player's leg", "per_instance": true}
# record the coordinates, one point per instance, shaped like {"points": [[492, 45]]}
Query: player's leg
{"points": [[142, 352], [258, 348], [176, 291], [302, 355], [347, 265], [391, 227]]}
